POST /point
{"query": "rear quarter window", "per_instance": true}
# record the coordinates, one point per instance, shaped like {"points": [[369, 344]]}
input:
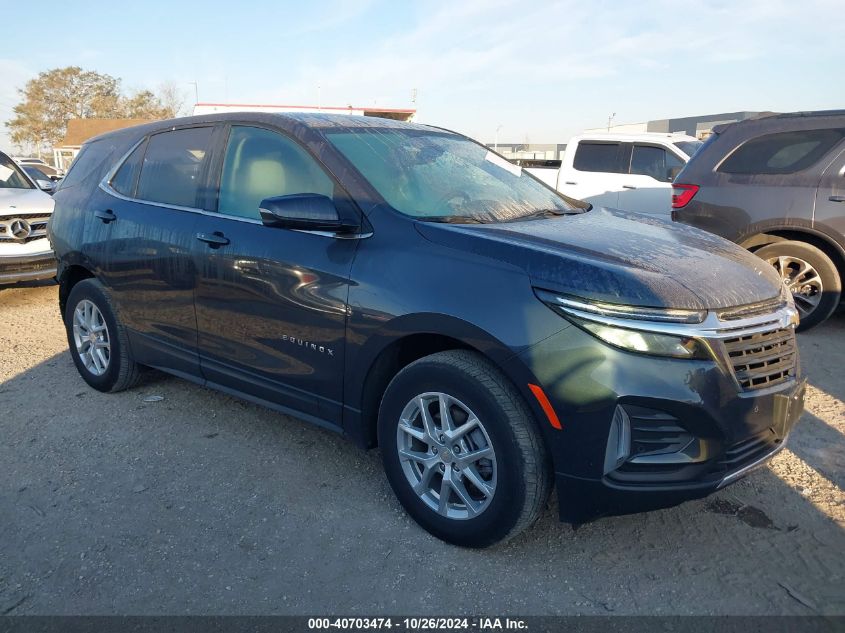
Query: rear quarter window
{"points": [[126, 177], [782, 152], [89, 164]]}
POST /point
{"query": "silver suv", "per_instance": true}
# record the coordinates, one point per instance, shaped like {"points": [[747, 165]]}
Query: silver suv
{"points": [[25, 252]]}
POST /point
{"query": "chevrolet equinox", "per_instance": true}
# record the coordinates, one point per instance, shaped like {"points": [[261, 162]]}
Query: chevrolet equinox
{"points": [[408, 288]]}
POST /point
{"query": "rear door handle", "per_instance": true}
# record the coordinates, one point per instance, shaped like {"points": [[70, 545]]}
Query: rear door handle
{"points": [[106, 216], [570, 182], [628, 187], [214, 240], [837, 198]]}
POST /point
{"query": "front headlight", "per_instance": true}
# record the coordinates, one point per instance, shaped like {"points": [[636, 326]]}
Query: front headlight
{"points": [[627, 327], [646, 342]]}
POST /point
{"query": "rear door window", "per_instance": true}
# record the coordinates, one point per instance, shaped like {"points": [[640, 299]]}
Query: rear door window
{"points": [[781, 153], [603, 157], [172, 169]]}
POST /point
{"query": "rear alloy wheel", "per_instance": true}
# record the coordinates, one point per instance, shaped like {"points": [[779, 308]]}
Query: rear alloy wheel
{"points": [[461, 449], [91, 337], [97, 340], [810, 276]]}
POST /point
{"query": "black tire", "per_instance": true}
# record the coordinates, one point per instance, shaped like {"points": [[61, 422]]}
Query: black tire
{"points": [[831, 284], [121, 372], [523, 467]]}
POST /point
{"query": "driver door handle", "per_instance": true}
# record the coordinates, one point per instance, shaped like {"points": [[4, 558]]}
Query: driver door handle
{"points": [[628, 187], [837, 198], [106, 216], [214, 240]]}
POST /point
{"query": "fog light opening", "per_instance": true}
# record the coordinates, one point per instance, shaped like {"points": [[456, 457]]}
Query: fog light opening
{"points": [[618, 441]]}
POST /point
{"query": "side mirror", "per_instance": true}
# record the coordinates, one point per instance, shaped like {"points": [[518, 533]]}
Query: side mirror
{"points": [[45, 185], [304, 212], [672, 173]]}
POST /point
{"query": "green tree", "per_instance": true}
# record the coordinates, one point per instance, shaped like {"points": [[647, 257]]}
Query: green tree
{"points": [[55, 96]]}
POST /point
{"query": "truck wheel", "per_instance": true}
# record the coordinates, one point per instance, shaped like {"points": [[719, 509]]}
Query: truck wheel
{"points": [[811, 277], [98, 342], [461, 450]]}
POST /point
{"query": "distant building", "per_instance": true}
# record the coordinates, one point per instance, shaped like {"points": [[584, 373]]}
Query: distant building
{"points": [[80, 130], [398, 114], [533, 151], [697, 126]]}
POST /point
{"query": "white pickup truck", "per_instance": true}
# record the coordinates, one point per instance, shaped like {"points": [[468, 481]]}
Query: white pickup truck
{"points": [[623, 171]]}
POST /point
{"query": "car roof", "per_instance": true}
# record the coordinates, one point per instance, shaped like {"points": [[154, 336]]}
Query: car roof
{"points": [[787, 121], [290, 121], [669, 137]]}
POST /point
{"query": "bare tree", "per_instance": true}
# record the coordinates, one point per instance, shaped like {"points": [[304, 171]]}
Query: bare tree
{"points": [[55, 96]]}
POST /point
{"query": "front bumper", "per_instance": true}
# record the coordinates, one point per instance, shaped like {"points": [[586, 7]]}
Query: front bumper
{"points": [[583, 499], [30, 267], [694, 426]]}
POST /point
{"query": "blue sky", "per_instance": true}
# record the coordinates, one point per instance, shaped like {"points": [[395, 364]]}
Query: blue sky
{"points": [[540, 70]]}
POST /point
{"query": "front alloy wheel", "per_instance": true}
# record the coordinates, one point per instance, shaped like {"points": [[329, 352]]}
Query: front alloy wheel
{"points": [[462, 450], [810, 276], [802, 280], [446, 455]]}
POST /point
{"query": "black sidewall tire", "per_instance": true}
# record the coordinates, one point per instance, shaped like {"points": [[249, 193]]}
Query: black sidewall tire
{"points": [[502, 514], [826, 269], [93, 291]]}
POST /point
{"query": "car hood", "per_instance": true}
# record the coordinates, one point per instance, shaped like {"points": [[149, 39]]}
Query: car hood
{"points": [[620, 257], [20, 201]]}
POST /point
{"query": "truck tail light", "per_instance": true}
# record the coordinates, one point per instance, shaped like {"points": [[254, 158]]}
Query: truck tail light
{"points": [[682, 194]]}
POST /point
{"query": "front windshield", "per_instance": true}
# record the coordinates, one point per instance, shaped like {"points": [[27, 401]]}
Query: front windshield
{"points": [[11, 176], [440, 176]]}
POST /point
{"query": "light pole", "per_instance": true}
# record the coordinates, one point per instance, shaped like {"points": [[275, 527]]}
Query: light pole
{"points": [[196, 91], [496, 140], [610, 120]]}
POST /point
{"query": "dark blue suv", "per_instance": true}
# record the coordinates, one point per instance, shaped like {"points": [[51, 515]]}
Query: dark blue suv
{"points": [[404, 286]]}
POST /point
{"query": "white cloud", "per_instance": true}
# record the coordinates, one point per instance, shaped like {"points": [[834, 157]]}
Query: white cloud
{"points": [[479, 55]]}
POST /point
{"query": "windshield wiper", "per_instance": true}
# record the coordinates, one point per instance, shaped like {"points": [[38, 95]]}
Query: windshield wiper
{"points": [[544, 213], [452, 219]]}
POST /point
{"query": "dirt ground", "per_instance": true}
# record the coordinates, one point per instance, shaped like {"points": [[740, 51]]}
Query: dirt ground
{"points": [[201, 503]]}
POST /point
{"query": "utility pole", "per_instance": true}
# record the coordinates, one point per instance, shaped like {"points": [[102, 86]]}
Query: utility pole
{"points": [[496, 140], [196, 91]]}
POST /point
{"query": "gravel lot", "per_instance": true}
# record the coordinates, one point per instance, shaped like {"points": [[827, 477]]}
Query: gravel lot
{"points": [[200, 503]]}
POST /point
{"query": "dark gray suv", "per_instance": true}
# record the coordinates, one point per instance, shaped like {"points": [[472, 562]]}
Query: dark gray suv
{"points": [[407, 287], [776, 185]]}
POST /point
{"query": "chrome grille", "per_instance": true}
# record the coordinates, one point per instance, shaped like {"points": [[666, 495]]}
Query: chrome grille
{"points": [[769, 306], [37, 223], [762, 359]]}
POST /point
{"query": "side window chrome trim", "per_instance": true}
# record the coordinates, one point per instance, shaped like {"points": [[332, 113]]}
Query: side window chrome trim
{"points": [[337, 236], [105, 186]]}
